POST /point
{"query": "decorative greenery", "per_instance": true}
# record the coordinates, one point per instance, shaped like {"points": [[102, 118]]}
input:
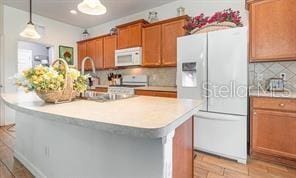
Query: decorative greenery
{"points": [[44, 79], [227, 15]]}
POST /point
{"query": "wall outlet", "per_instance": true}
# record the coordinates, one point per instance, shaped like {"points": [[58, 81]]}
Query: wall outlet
{"points": [[260, 77], [283, 76]]}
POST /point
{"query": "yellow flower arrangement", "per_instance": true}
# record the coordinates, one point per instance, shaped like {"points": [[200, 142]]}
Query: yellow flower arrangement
{"points": [[45, 79]]}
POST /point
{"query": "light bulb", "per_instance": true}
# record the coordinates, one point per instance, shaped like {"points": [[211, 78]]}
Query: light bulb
{"points": [[30, 32], [92, 7]]}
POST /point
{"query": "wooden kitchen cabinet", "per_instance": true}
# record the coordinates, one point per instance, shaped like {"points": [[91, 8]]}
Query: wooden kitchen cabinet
{"points": [[110, 44], [99, 53], [183, 152], [170, 32], [130, 34], [90, 52], [81, 47], [152, 46], [273, 133], [123, 38], [272, 30], [160, 42], [167, 94], [92, 48], [101, 89]]}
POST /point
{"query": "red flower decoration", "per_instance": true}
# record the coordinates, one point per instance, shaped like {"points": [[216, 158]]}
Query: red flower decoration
{"points": [[227, 15]]}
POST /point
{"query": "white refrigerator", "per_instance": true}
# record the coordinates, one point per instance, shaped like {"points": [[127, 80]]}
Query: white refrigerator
{"points": [[213, 67]]}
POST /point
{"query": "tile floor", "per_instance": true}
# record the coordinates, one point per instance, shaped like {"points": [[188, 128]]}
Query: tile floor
{"points": [[205, 166]]}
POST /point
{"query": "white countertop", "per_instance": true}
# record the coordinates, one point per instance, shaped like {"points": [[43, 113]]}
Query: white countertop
{"points": [[261, 93], [142, 116]]}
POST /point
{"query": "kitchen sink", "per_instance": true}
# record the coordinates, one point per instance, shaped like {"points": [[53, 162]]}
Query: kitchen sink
{"points": [[104, 97]]}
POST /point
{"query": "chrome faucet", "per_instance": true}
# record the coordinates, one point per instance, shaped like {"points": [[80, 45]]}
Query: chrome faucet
{"points": [[92, 65], [93, 74]]}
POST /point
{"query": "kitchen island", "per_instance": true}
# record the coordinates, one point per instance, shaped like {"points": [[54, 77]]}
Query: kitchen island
{"points": [[139, 137]]}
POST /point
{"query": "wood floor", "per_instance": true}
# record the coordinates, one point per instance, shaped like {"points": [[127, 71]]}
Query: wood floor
{"points": [[205, 166], [208, 166], [9, 166]]}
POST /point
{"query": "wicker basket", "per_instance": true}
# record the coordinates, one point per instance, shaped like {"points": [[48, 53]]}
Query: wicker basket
{"points": [[214, 27], [65, 95]]}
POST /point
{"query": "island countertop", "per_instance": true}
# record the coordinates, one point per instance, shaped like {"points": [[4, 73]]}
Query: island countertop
{"points": [[140, 116]]}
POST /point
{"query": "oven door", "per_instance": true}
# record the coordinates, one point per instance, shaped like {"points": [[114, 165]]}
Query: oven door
{"points": [[124, 59]]}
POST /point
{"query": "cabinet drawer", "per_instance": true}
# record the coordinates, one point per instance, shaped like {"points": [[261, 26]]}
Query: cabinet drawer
{"points": [[102, 89], [156, 93], [274, 104]]}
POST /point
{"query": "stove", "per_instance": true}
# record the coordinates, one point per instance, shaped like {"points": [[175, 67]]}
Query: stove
{"points": [[129, 83]]}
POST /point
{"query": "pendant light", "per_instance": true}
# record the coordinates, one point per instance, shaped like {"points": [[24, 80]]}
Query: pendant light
{"points": [[30, 30], [92, 7]]}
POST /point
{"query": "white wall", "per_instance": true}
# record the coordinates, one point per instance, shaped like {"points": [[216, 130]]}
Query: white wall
{"points": [[56, 33], [1, 17], [193, 8], [1, 61], [37, 49]]}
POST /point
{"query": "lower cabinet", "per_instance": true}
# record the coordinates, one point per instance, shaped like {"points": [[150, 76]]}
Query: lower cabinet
{"points": [[273, 130], [156, 93], [183, 153], [102, 89]]}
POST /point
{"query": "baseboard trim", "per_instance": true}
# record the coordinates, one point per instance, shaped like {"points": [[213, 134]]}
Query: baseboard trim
{"points": [[242, 160], [274, 159], [35, 171]]}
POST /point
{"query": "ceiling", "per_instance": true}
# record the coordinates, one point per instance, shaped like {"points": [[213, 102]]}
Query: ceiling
{"points": [[60, 10]]}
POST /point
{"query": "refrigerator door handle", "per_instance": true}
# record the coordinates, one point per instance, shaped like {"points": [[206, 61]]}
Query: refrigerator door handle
{"points": [[219, 117]]}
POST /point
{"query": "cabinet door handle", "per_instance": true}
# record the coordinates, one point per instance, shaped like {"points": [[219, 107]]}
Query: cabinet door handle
{"points": [[282, 105]]}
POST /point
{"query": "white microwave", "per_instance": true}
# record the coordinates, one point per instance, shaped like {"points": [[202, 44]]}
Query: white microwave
{"points": [[128, 57]]}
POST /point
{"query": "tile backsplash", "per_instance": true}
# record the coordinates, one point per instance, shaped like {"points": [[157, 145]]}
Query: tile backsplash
{"points": [[259, 73], [157, 76]]}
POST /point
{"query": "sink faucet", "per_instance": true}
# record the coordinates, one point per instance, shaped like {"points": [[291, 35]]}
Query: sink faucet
{"points": [[93, 74]]}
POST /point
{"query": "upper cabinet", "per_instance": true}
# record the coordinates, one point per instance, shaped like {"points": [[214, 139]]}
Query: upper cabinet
{"points": [[81, 47], [130, 34], [170, 32], [99, 53], [272, 30], [110, 43], [160, 41], [152, 45], [92, 48], [90, 52]]}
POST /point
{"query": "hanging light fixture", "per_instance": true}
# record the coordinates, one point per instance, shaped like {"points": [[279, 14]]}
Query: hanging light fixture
{"points": [[92, 7], [30, 30]]}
